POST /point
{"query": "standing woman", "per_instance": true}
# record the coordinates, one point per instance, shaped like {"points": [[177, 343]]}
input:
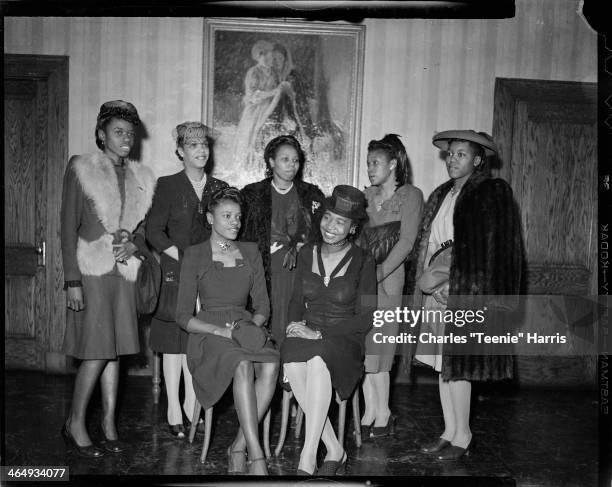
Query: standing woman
{"points": [[176, 221], [282, 212], [330, 314], [105, 197], [472, 216], [226, 342], [390, 198]]}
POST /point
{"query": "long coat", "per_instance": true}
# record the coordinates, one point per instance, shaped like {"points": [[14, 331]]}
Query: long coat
{"points": [[257, 220], [487, 257]]}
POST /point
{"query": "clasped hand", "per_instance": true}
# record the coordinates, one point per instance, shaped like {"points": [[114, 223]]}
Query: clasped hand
{"points": [[299, 329], [440, 294], [123, 251]]}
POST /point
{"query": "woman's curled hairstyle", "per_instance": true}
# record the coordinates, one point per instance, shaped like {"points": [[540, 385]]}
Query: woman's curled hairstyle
{"points": [[272, 148], [229, 193], [393, 147]]}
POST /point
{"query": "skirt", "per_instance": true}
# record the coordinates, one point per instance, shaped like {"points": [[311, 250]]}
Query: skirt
{"points": [[212, 359], [379, 356], [108, 326], [343, 356], [167, 337], [282, 280]]}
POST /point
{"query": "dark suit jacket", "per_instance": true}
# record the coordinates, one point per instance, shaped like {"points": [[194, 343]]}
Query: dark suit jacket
{"points": [[174, 218]]}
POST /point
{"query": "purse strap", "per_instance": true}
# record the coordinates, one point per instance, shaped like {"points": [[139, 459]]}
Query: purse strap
{"points": [[443, 247]]}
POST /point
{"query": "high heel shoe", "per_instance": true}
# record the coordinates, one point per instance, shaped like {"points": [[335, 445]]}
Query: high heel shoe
{"points": [[435, 446], [113, 446], [261, 461], [453, 452], [388, 430], [333, 467], [236, 461], [366, 431], [90, 451], [177, 430]]}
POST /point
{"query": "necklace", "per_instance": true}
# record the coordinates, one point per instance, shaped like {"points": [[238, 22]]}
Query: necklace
{"points": [[338, 244], [280, 190], [454, 191], [224, 245]]}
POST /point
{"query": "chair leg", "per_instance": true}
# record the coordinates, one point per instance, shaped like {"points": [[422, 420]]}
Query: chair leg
{"points": [[356, 417], [207, 429], [266, 433], [194, 420], [287, 395], [299, 419], [156, 378], [341, 421]]}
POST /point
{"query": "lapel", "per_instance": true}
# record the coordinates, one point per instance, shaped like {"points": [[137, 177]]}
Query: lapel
{"points": [[187, 190]]}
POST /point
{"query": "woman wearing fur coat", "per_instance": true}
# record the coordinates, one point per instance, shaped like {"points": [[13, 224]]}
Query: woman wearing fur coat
{"points": [[473, 218], [105, 197]]}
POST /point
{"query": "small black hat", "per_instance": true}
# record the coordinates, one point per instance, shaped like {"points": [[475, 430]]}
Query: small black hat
{"points": [[347, 201], [120, 109]]}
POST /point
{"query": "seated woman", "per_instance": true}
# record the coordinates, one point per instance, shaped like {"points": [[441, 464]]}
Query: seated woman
{"points": [[224, 273], [324, 345]]}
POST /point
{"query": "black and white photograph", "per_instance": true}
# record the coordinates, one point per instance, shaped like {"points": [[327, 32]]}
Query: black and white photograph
{"points": [[351, 242]]}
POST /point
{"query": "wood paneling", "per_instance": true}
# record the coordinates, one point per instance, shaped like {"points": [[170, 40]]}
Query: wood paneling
{"points": [[549, 156], [19, 177], [36, 305]]}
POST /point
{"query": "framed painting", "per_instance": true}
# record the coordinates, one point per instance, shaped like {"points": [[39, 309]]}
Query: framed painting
{"points": [[264, 78]]}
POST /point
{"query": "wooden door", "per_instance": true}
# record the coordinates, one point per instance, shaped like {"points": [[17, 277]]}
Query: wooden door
{"points": [[547, 136], [35, 154]]}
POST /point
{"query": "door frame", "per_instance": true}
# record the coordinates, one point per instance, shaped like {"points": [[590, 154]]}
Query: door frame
{"points": [[51, 310], [544, 279]]}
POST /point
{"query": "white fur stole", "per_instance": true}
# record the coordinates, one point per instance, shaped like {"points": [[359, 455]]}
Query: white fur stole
{"points": [[98, 179]]}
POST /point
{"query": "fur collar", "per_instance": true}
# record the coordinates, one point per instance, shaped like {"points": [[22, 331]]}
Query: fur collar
{"points": [[98, 179]]}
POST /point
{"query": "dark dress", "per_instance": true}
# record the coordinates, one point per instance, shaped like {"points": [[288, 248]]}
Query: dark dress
{"points": [[261, 225], [342, 311], [224, 292], [177, 217]]}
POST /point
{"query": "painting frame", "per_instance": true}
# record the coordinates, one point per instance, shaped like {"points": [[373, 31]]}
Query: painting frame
{"points": [[332, 144]]}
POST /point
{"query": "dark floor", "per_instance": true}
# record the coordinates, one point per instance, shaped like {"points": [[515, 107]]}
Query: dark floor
{"points": [[539, 438]]}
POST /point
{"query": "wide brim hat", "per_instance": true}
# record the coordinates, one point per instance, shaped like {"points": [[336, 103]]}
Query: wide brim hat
{"points": [[347, 201], [483, 139]]}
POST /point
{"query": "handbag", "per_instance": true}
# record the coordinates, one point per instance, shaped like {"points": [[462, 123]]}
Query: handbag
{"points": [[166, 307], [438, 270], [248, 335], [148, 281], [379, 240]]}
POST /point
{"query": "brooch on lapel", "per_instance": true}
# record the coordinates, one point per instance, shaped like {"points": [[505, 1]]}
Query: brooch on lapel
{"points": [[315, 206]]}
